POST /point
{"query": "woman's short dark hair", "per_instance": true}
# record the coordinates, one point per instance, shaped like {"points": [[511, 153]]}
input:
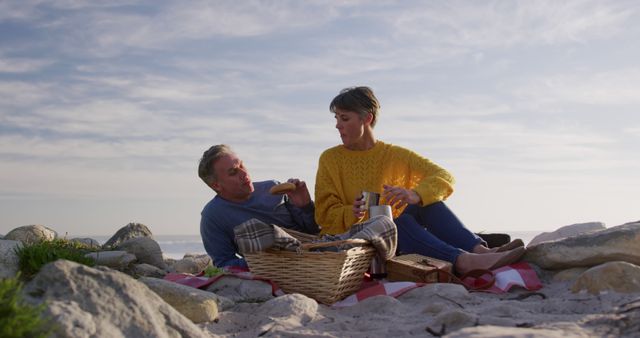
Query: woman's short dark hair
{"points": [[357, 99]]}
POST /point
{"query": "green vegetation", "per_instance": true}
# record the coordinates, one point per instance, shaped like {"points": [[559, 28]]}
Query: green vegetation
{"points": [[18, 319], [211, 271], [33, 257]]}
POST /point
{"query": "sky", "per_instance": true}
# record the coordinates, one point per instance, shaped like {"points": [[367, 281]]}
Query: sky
{"points": [[107, 106]]}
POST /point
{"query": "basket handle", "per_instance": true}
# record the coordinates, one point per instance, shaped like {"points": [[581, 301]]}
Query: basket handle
{"points": [[355, 241]]}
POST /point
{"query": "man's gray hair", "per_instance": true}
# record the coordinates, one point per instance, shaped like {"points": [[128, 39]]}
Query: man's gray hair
{"points": [[209, 158]]}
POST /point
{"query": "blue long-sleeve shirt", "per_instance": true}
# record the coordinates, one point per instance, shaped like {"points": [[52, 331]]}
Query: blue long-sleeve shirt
{"points": [[220, 216]]}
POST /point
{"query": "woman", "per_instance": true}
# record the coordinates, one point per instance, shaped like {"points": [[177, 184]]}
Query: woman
{"points": [[414, 186]]}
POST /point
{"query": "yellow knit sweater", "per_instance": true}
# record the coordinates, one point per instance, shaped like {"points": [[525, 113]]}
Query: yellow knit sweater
{"points": [[343, 174]]}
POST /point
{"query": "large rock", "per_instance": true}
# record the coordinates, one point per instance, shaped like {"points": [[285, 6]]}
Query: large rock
{"points": [[242, 290], [290, 315], [32, 234], [192, 264], [567, 231], [613, 276], [87, 242], [129, 231], [8, 259], [145, 249], [293, 307], [568, 274], [119, 260], [147, 270], [452, 320], [614, 244], [100, 302], [623, 322], [198, 305], [493, 331]]}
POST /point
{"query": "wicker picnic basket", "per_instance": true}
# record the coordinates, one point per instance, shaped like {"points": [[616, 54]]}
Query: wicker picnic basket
{"points": [[326, 276]]}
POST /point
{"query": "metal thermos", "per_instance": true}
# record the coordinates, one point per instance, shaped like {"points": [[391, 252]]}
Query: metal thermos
{"points": [[370, 199], [378, 268]]}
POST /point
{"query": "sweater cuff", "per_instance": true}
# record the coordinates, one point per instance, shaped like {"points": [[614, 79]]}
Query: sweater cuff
{"points": [[309, 208]]}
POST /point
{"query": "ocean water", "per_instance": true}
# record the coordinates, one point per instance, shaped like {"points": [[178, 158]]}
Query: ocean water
{"points": [[176, 246], [173, 246], [525, 236]]}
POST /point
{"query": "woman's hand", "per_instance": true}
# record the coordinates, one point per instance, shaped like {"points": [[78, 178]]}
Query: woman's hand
{"points": [[398, 197], [358, 212]]}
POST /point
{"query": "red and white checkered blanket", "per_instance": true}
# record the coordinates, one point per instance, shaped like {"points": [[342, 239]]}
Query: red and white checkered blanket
{"points": [[519, 274], [200, 281]]}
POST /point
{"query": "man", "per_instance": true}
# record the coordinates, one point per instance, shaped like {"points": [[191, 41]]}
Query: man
{"points": [[238, 199]]}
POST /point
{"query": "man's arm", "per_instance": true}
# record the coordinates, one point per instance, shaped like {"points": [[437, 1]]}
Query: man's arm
{"points": [[303, 217], [301, 208], [219, 244]]}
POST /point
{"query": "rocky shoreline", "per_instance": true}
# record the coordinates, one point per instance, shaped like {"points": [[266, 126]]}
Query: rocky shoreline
{"points": [[590, 276]]}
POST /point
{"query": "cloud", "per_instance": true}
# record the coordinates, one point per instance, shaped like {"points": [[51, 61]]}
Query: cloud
{"points": [[110, 29], [22, 65], [156, 87], [451, 106], [434, 34], [611, 87], [116, 101], [16, 10], [23, 93], [501, 24], [632, 130]]}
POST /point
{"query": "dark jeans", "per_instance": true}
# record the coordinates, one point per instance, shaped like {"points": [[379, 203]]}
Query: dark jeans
{"points": [[433, 231]]}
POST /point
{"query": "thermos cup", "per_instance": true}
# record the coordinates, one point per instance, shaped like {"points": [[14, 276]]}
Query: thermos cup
{"points": [[376, 210]]}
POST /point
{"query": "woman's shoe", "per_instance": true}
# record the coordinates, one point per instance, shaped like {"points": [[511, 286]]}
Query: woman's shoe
{"points": [[471, 261], [510, 257]]}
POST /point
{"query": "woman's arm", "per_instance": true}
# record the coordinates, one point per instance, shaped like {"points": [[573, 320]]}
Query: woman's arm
{"points": [[436, 184], [332, 214]]}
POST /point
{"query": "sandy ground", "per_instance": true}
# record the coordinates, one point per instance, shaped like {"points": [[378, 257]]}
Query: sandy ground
{"points": [[439, 310]]}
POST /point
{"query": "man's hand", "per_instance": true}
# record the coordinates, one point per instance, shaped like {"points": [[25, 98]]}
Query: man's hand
{"points": [[397, 196], [299, 197]]}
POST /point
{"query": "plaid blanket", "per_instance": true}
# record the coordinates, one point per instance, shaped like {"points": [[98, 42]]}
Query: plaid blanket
{"points": [[519, 274], [255, 235], [381, 232]]}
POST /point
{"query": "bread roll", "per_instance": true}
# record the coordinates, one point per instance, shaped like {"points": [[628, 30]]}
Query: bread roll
{"points": [[282, 188]]}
